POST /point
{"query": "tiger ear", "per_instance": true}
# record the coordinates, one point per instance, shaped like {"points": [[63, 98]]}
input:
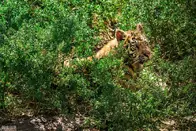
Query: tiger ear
{"points": [[120, 35], [140, 28]]}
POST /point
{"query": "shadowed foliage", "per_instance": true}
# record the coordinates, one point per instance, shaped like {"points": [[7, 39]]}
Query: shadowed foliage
{"points": [[37, 35]]}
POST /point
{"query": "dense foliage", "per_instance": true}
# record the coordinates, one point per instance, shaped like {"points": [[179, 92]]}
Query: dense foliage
{"points": [[34, 34]]}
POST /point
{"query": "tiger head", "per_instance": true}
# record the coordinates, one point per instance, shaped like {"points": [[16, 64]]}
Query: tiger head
{"points": [[136, 47]]}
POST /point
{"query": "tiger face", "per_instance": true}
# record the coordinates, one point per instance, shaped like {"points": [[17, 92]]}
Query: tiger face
{"points": [[137, 49]]}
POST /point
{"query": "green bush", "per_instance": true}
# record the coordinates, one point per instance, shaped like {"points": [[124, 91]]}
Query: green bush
{"points": [[37, 35]]}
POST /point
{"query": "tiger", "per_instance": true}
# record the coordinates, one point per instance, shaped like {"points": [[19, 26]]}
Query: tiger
{"points": [[135, 46], [137, 50]]}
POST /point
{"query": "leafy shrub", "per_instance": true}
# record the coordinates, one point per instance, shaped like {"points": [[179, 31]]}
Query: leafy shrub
{"points": [[36, 36]]}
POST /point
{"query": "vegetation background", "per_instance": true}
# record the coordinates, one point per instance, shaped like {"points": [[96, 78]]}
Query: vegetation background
{"points": [[34, 32]]}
